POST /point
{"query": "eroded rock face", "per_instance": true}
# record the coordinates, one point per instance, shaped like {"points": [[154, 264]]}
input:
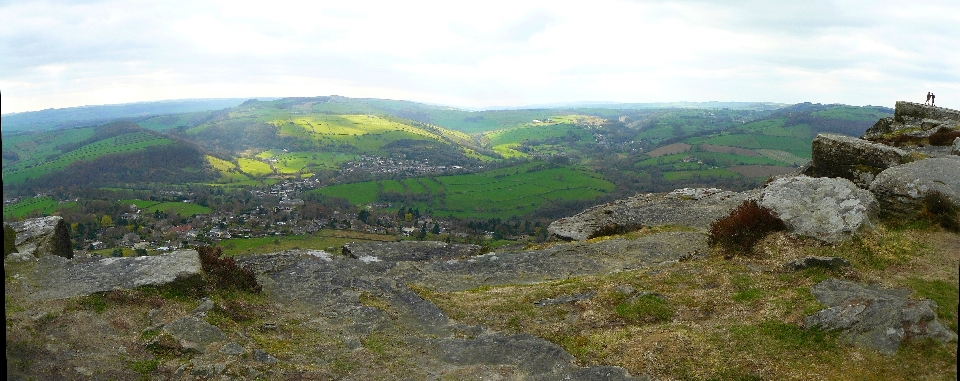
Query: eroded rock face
{"points": [[39, 237], [853, 159], [693, 207], [829, 209], [900, 189], [914, 120], [875, 317], [57, 278]]}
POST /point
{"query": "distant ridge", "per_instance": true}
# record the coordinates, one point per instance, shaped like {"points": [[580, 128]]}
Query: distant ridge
{"points": [[53, 119], [651, 105]]}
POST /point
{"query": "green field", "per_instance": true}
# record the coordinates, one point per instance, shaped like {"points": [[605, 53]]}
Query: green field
{"points": [[181, 208], [42, 205], [501, 193]]}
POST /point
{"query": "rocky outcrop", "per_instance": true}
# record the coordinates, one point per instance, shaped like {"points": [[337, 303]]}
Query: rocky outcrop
{"points": [[914, 120], [55, 277], [39, 237], [696, 208], [829, 209], [854, 159], [408, 250], [900, 189], [955, 149], [875, 317]]}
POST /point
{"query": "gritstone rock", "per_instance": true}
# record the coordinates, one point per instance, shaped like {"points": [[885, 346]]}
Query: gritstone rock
{"points": [[829, 209], [56, 277], [875, 317], [43, 236], [688, 207], [854, 159], [409, 250], [900, 189], [194, 334], [956, 147], [914, 120]]}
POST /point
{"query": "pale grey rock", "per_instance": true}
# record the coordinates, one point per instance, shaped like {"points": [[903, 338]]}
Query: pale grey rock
{"points": [[875, 317], [56, 277], [853, 159], [42, 236], [194, 334], [260, 355], [955, 149], [697, 207], [828, 209], [408, 251], [811, 262], [900, 189], [206, 304]]}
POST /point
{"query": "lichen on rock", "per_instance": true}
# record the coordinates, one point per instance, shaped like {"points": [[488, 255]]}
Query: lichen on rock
{"points": [[829, 209]]}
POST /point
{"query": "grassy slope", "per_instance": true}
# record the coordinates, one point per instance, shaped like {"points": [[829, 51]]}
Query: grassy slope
{"points": [[732, 319]]}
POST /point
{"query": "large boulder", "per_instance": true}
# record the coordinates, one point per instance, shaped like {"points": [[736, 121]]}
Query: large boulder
{"points": [[854, 159], [57, 278], [875, 317], [829, 209], [38, 237], [697, 207], [900, 189]]}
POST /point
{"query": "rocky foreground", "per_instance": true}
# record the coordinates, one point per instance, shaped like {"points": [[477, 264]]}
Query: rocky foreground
{"points": [[428, 310]]}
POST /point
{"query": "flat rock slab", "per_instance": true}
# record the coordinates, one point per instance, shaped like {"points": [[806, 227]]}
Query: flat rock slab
{"points": [[57, 277], [693, 207], [334, 289], [875, 317], [854, 159], [829, 209], [900, 189], [194, 334], [408, 250]]}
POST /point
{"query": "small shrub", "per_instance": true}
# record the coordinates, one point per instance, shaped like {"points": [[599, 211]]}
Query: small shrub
{"points": [[938, 209], [943, 137], [744, 227], [223, 273]]}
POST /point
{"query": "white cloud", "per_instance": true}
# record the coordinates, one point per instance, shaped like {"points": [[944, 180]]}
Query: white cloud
{"points": [[60, 54]]}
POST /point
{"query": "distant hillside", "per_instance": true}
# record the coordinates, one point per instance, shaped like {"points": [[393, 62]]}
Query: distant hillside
{"points": [[110, 154], [54, 119]]}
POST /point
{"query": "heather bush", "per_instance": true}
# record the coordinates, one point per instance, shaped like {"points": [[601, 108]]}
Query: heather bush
{"points": [[224, 274], [944, 137], [744, 227], [938, 209]]}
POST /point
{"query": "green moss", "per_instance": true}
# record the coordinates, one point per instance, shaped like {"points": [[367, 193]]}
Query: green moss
{"points": [[144, 367], [647, 308]]}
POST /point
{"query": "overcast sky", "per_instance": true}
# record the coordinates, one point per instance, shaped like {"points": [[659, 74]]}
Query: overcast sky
{"points": [[56, 54]]}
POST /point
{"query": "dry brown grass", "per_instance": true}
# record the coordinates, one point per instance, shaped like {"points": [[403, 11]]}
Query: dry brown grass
{"points": [[733, 319]]}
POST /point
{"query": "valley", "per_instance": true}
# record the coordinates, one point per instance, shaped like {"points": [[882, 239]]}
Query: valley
{"points": [[298, 166]]}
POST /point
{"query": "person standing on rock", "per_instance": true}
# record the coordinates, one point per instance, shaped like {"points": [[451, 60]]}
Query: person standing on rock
{"points": [[928, 98], [933, 99]]}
